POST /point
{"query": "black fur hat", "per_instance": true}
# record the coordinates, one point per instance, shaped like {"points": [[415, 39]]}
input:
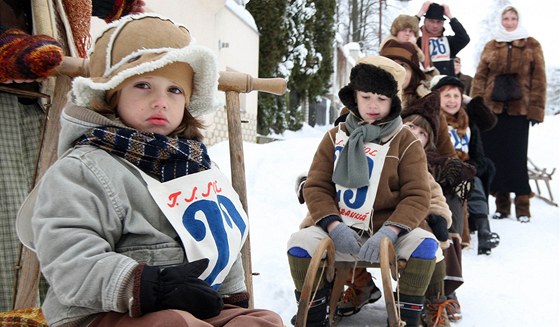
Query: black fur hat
{"points": [[427, 107], [439, 81], [367, 78]]}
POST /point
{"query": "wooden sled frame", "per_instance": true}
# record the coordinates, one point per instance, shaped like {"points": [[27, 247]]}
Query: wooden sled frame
{"points": [[540, 174], [337, 272]]}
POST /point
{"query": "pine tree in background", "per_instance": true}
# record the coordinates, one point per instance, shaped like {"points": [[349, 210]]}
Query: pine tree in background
{"points": [[302, 57], [311, 25], [270, 18], [296, 43], [324, 38]]}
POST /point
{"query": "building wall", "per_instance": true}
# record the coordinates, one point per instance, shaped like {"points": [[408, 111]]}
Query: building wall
{"points": [[229, 31]]}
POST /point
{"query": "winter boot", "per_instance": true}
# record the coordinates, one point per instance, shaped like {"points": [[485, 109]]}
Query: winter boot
{"points": [[410, 308], [453, 308], [522, 205], [503, 205], [435, 312], [354, 298], [486, 239], [317, 316]]}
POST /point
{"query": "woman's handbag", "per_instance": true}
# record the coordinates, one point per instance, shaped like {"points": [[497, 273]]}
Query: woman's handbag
{"points": [[506, 88]]}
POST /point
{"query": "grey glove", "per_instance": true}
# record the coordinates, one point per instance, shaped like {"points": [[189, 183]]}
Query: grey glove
{"points": [[345, 239], [370, 250]]}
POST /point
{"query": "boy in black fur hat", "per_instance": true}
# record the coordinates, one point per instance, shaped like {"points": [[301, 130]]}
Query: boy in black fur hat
{"points": [[358, 192]]}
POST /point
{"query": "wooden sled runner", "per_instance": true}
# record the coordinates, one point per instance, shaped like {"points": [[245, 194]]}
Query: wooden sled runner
{"points": [[323, 262], [540, 174]]}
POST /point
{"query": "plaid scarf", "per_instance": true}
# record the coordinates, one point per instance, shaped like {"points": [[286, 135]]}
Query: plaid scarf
{"points": [[164, 157]]}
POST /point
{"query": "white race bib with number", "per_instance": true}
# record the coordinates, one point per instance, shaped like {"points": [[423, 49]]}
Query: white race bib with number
{"points": [[439, 49], [207, 215], [356, 204]]}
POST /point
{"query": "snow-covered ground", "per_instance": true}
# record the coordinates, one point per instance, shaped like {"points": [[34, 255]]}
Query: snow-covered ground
{"points": [[518, 285]]}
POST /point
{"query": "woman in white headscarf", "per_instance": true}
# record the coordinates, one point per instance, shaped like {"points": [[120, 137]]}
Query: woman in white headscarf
{"points": [[511, 78]]}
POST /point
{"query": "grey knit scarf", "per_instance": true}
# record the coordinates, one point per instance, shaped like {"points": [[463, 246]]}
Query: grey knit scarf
{"points": [[352, 169]]}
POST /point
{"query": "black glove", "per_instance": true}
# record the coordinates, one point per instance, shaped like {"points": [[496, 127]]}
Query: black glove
{"points": [[300, 182], [438, 224], [177, 288]]}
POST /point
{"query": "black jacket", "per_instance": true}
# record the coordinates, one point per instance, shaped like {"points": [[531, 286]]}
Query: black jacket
{"points": [[456, 42]]}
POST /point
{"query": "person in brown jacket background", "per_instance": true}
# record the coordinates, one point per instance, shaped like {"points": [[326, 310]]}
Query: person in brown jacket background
{"points": [[511, 51]]}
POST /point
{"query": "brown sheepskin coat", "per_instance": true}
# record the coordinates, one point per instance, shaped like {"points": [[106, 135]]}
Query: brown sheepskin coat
{"points": [[528, 62], [403, 196]]}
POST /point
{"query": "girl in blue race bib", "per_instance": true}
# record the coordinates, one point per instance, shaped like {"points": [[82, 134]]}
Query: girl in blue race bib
{"points": [[108, 252]]}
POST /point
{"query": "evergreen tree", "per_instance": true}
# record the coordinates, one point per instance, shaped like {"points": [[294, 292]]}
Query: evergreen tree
{"points": [[311, 25], [270, 18], [296, 43], [323, 33]]}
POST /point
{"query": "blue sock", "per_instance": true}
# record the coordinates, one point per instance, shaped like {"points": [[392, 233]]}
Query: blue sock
{"points": [[426, 250], [298, 252]]}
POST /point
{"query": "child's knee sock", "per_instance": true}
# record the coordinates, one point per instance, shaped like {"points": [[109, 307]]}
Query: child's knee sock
{"points": [[415, 278], [435, 288]]}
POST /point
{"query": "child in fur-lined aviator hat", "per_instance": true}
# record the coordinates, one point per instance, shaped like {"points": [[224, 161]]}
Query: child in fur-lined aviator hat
{"points": [[369, 181], [119, 205]]}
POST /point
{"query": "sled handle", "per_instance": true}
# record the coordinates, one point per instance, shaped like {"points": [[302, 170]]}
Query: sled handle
{"points": [[228, 81], [245, 83]]}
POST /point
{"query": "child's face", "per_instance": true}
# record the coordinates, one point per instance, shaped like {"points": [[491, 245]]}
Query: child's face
{"points": [[372, 106], [406, 35], [419, 132], [151, 104], [451, 99]]}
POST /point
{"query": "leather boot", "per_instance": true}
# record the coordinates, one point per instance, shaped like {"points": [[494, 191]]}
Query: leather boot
{"points": [[317, 316], [503, 204], [486, 239], [522, 205], [411, 309]]}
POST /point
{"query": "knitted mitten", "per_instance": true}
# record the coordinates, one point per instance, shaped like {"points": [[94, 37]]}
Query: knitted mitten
{"points": [[27, 57]]}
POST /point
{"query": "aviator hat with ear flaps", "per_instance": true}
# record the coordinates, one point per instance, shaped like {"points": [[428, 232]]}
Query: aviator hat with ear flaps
{"points": [[144, 43], [375, 74], [404, 21]]}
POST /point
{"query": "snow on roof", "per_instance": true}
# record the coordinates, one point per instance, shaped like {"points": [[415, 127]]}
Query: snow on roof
{"points": [[242, 13]]}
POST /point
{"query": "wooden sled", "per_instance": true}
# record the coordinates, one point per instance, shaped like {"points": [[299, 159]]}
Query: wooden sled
{"points": [[323, 262], [540, 174]]}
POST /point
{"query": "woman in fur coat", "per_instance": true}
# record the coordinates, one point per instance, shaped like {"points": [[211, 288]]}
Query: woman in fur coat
{"points": [[464, 132], [511, 51]]}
